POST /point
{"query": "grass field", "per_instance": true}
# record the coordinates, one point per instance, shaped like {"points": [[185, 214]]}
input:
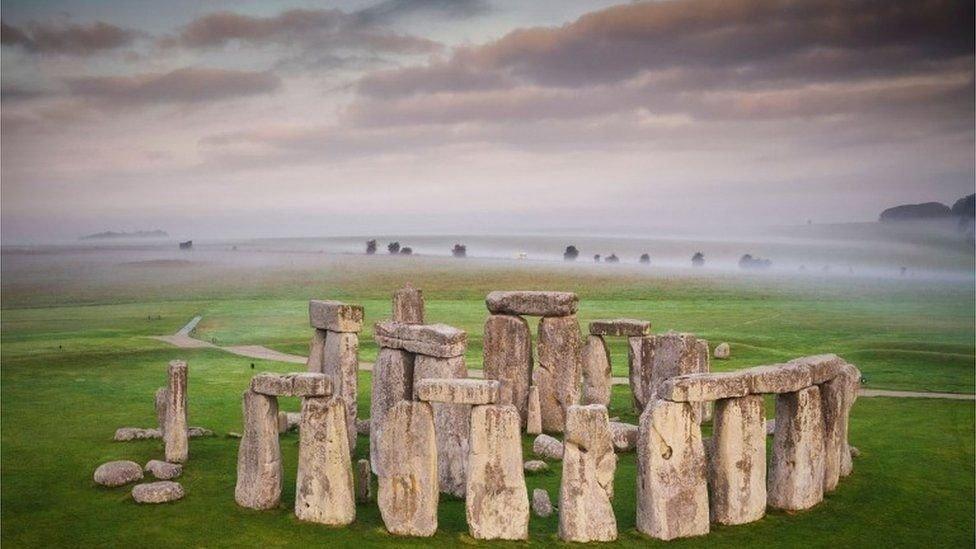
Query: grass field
{"points": [[77, 364]]}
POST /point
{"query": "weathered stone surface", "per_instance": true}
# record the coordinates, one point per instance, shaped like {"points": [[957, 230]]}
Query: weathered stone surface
{"points": [[288, 421], [547, 447], [586, 490], [392, 382], [457, 391], [533, 415], [558, 373], [508, 359], [853, 376], [597, 376], [532, 303], [837, 397], [302, 384], [776, 378], [408, 305], [722, 351], [125, 434], [162, 491], [259, 456], [117, 473], [341, 362], [822, 368], [316, 351], [161, 402], [624, 436], [737, 461], [408, 482], [672, 492], [195, 432], [496, 501], [452, 422], [626, 327], [436, 340], [676, 354], [541, 504], [362, 427], [796, 470], [364, 488], [770, 426], [175, 439], [335, 316], [640, 355], [704, 387], [535, 466], [164, 470], [324, 490]]}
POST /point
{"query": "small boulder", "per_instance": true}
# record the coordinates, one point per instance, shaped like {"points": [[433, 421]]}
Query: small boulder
{"points": [[536, 466], [197, 432], [162, 491], [548, 447], [541, 504], [722, 351], [125, 434], [117, 473], [164, 470]]}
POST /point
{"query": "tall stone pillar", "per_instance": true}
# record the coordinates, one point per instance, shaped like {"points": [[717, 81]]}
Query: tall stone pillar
{"points": [[508, 359], [324, 490], [392, 382], [259, 469], [341, 361], [737, 464], [408, 305], [586, 490], [496, 503], [452, 422], [796, 471], [558, 373], [408, 494], [175, 432], [597, 373], [316, 351]]}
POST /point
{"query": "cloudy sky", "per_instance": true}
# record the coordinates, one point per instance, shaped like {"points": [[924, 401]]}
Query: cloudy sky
{"points": [[212, 119]]}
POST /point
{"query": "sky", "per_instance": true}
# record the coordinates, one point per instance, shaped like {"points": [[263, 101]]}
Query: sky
{"points": [[247, 119]]}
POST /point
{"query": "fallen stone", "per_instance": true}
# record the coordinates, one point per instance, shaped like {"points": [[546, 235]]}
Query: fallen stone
{"points": [[234, 434], [125, 434], [722, 351], [541, 504], [533, 418], [408, 305], [364, 488], [452, 422], [408, 482], [457, 391], [624, 436], [392, 382], [704, 387], [175, 439], [532, 303], [547, 447], [672, 492], [436, 340], [162, 491], [496, 502], [316, 351], [536, 466], [737, 461], [304, 384], [341, 363], [558, 373], [335, 316], [586, 490], [259, 469], [164, 470], [597, 375], [796, 470], [507, 354], [197, 432], [362, 427], [324, 489], [625, 327], [117, 473]]}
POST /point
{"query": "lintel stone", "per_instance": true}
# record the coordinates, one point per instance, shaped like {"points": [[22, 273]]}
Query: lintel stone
{"points": [[624, 327], [532, 303], [457, 391], [436, 340], [303, 384], [335, 316]]}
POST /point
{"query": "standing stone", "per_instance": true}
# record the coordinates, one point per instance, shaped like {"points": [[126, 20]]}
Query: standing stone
{"points": [[673, 355], [259, 456], [408, 493], [533, 414], [408, 305], [324, 492], [451, 423], [796, 472], [597, 375], [508, 359], [737, 462], [162, 402], [364, 488], [558, 373], [832, 397], [640, 356], [541, 504], [672, 493], [174, 432], [496, 501], [392, 382], [341, 361], [316, 351], [586, 490], [853, 376]]}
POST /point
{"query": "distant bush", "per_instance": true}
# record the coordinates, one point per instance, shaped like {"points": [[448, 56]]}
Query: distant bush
{"points": [[645, 259], [406, 250], [698, 259], [459, 250], [612, 258], [571, 253], [749, 262], [370, 247], [596, 258], [393, 247]]}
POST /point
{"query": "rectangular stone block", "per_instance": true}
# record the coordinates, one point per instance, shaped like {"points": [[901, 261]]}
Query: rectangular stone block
{"points": [[597, 373], [737, 461], [302, 384], [408, 305], [822, 368], [704, 387], [796, 470], [436, 340], [452, 422], [177, 448], [457, 391], [532, 303], [622, 327], [316, 350], [586, 489], [558, 374], [335, 316], [507, 354], [496, 500], [259, 469], [324, 489], [340, 361], [407, 495], [392, 382]]}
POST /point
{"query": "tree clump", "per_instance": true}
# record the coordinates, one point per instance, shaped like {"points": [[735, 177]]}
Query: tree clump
{"points": [[596, 258], [371, 247], [698, 260], [406, 250], [749, 262], [393, 247], [612, 258], [645, 259], [571, 253], [459, 250]]}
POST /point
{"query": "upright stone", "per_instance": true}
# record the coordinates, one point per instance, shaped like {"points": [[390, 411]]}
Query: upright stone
{"points": [[853, 376], [496, 500], [324, 491], [364, 488], [640, 357], [335, 316], [796, 472], [737, 464], [533, 415], [392, 382], [408, 493], [597, 375], [451, 423], [316, 351], [508, 359], [558, 373], [259, 457], [341, 361], [174, 432], [676, 354], [408, 305], [586, 490], [162, 402], [837, 398], [672, 493]]}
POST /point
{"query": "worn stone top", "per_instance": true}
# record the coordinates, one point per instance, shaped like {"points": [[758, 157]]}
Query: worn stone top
{"points": [[302, 384], [335, 316], [532, 303], [437, 340], [625, 327], [457, 391], [777, 378]]}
